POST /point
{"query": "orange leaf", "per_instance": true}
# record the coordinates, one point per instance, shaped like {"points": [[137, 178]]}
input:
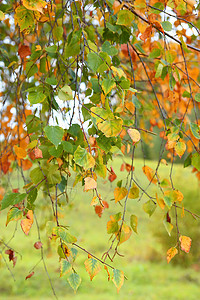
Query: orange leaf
{"points": [[171, 253], [106, 268], [158, 26], [160, 202], [27, 223], [90, 184], [134, 135], [99, 210], [20, 152], [147, 33], [129, 168], [150, 173], [26, 164], [185, 243]]}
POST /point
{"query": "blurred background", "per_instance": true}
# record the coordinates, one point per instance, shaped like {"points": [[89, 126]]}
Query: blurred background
{"points": [[144, 262]]}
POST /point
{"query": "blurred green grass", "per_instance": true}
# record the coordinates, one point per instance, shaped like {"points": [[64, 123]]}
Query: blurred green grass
{"points": [[149, 275]]}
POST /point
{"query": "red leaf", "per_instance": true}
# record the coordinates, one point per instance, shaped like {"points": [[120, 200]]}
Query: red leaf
{"points": [[30, 275], [112, 175], [38, 245], [24, 51], [15, 190], [105, 204]]}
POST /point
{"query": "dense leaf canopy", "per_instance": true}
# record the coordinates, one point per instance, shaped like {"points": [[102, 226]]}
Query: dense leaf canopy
{"points": [[81, 82]]}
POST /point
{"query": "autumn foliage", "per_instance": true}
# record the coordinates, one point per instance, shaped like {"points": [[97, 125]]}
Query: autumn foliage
{"points": [[81, 82]]}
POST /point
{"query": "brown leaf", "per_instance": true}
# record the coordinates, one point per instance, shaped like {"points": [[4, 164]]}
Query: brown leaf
{"points": [[38, 245], [24, 51], [12, 256]]}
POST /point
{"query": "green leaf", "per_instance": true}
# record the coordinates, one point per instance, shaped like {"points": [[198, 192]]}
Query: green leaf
{"points": [[149, 207], [188, 161], [12, 199], [108, 85], [64, 235], [65, 267], [74, 281], [67, 147], [168, 201], [118, 278], [159, 70], [125, 17], [83, 158], [24, 18], [14, 214], [108, 48], [51, 49], [65, 93], [56, 152], [195, 161], [94, 61], [195, 130], [92, 267], [36, 175], [168, 227], [53, 175], [32, 196], [167, 26], [186, 94], [134, 222], [156, 52], [111, 127], [197, 97], [36, 97], [54, 134]]}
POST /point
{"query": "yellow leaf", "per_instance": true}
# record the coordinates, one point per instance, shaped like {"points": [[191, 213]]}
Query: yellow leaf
{"points": [[20, 152], [125, 233], [120, 193], [180, 148], [134, 192], [150, 173], [185, 243], [164, 162], [2, 16], [94, 201], [27, 223], [134, 135], [171, 253], [36, 5], [90, 184]]}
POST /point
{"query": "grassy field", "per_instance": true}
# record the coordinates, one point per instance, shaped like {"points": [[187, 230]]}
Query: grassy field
{"points": [[149, 275]]}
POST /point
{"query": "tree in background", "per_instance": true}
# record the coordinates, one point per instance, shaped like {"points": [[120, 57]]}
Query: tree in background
{"points": [[81, 81]]}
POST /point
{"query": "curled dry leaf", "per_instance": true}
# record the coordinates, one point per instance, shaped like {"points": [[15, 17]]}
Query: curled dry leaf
{"points": [[11, 255]]}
